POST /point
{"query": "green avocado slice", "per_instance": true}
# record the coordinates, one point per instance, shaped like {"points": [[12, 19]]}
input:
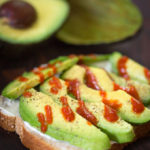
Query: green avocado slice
{"points": [[100, 21], [134, 70], [77, 132], [50, 16], [16, 88], [142, 89], [120, 131], [126, 111]]}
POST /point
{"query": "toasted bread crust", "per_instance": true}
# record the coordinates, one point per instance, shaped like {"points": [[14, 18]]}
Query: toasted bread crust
{"points": [[7, 122], [35, 142]]}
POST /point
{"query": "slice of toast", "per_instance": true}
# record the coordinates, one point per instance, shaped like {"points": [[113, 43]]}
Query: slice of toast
{"points": [[35, 140]]}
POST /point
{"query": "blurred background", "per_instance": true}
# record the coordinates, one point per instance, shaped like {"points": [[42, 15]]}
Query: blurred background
{"points": [[15, 59]]}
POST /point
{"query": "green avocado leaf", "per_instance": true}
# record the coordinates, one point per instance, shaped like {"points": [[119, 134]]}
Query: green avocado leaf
{"points": [[100, 21]]}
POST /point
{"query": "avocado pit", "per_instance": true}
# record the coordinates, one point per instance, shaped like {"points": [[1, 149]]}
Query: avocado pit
{"points": [[18, 14]]}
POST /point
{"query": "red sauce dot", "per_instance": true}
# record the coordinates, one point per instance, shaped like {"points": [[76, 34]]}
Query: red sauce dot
{"points": [[27, 94], [89, 123], [84, 112], [110, 114], [137, 106], [122, 67], [49, 115], [73, 88], [103, 93], [66, 110], [54, 90], [147, 74], [23, 79], [90, 79], [41, 119]]}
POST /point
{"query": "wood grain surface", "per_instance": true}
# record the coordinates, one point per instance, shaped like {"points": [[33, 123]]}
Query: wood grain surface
{"points": [[16, 59]]}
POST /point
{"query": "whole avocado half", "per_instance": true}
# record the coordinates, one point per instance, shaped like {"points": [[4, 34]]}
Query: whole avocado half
{"points": [[50, 16]]}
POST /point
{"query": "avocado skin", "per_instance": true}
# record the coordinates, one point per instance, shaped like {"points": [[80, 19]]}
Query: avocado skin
{"points": [[77, 133], [142, 88], [15, 88]]}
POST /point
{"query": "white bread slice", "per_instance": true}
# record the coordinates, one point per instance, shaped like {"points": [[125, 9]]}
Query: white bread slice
{"points": [[34, 139]]}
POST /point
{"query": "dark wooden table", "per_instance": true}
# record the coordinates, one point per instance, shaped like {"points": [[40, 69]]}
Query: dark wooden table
{"points": [[137, 47]]}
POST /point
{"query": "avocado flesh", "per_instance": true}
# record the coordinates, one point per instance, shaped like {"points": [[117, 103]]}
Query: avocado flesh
{"points": [[90, 95], [16, 88], [134, 69], [77, 133], [106, 82], [50, 16], [120, 131], [142, 89]]}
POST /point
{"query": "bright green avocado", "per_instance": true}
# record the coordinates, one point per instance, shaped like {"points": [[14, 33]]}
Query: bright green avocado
{"points": [[134, 69], [142, 89], [77, 132], [16, 88], [50, 16], [120, 131], [121, 97]]}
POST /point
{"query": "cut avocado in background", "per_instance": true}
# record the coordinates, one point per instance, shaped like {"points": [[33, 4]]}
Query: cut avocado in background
{"points": [[50, 16], [100, 21]]}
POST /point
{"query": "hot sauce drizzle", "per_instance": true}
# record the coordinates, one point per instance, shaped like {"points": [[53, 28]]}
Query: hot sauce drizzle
{"points": [[49, 118], [73, 88], [137, 106], [49, 115], [110, 114], [66, 110], [40, 74], [53, 67], [147, 74], [112, 103], [84, 112], [23, 79], [55, 85], [41, 119], [131, 90], [90, 79], [122, 67], [27, 94]]}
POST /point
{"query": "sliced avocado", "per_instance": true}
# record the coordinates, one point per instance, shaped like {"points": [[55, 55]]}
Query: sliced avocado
{"points": [[125, 111], [16, 88], [119, 130], [50, 16], [104, 80], [77, 132], [134, 69], [92, 58], [142, 89]]}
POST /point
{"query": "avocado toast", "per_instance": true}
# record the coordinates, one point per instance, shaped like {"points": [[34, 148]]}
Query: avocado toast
{"points": [[77, 104]]}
